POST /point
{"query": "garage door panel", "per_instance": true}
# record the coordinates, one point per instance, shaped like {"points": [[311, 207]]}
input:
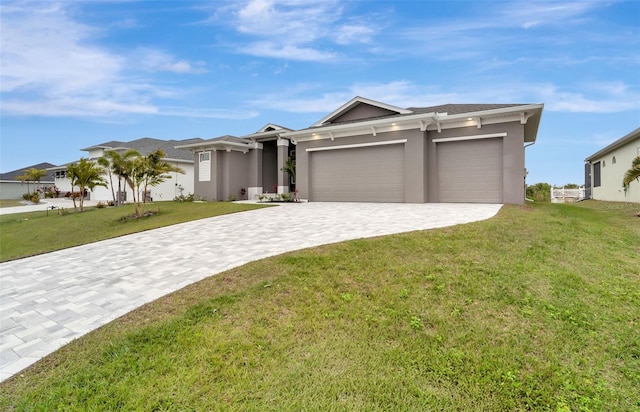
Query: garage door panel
{"points": [[366, 174], [470, 171]]}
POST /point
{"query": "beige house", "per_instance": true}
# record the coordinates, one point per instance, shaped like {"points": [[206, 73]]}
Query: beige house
{"points": [[605, 169]]}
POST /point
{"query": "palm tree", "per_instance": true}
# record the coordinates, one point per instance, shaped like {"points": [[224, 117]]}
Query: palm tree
{"points": [[145, 171], [86, 175], [32, 175], [117, 164], [632, 174]]}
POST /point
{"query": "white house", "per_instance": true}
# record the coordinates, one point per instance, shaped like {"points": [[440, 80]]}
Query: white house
{"points": [[605, 169], [177, 184]]}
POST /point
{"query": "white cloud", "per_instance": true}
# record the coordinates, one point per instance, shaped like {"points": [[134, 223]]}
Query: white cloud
{"points": [[52, 66], [293, 29], [156, 60]]}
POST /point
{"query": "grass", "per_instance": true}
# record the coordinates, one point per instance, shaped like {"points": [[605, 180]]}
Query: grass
{"points": [[10, 203], [27, 234], [535, 309]]}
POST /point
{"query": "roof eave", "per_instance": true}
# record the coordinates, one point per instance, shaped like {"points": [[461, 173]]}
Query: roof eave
{"points": [[613, 146]]}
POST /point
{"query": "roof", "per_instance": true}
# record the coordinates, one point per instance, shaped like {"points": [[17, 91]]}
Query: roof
{"points": [[613, 146], [13, 175], [461, 108], [147, 145], [431, 117]]}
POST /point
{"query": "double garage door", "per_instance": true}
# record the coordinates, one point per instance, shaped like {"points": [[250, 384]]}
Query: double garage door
{"points": [[363, 174], [469, 171]]}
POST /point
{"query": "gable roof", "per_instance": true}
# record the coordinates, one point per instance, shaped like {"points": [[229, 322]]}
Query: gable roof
{"points": [[440, 117], [147, 145], [13, 175], [618, 143], [356, 101]]}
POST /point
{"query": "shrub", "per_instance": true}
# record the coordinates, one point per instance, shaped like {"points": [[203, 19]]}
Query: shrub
{"points": [[35, 197], [27, 196], [183, 198], [101, 205]]}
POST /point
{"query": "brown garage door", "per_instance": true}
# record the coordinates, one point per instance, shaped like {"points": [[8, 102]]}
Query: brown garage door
{"points": [[364, 174], [470, 171]]}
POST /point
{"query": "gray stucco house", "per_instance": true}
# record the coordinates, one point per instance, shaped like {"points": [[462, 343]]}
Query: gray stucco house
{"points": [[368, 151], [230, 167]]}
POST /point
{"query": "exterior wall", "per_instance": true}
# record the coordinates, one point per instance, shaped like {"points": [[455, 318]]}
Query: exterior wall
{"points": [[611, 174], [234, 175], [414, 165], [513, 158], [230, 173], [421, 165], [14, 190]]}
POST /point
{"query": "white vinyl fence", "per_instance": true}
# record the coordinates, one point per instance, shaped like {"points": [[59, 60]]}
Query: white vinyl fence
{"points": [[562, 195]]}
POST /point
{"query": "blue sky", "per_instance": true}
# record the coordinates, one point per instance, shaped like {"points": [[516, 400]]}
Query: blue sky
{"points": [[79, 73]]}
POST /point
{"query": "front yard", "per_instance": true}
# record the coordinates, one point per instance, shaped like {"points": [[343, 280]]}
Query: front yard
{"points": [[535, 309]]}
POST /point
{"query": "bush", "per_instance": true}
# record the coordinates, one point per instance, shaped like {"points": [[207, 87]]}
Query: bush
{"points": [[35, 197], [183, 198], [540, 192], [26, 196], [101, 205]]}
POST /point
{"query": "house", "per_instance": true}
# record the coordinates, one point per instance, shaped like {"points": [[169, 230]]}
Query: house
{"points": [[174, 186], [13, 188], [605, 169], [230, 167], [368, 151]]}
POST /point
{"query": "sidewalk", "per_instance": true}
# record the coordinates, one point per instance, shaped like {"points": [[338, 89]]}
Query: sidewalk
{"points": [[44, 205]]}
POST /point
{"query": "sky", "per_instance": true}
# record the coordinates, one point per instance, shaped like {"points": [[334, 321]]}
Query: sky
{"points": [[78, 73]]}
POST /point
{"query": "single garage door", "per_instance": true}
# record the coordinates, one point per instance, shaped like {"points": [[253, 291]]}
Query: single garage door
{"points": [[363, 174], [470, 171]]}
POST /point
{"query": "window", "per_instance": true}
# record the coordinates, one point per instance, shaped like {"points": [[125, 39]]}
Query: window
{"points": [[596, 174], [204, 156], [613, 161], [604, 164]]}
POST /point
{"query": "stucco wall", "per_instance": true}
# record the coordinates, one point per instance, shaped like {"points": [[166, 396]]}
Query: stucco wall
{"points": [[15, 190], [269, 166], [611, 174], [513, 158], [421, 167], [362, 111]]}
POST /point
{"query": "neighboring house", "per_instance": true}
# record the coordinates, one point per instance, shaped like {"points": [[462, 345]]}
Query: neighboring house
{"points": [[12, 188], [177, 184], [368, 151], [605, 169], [230, 167]]}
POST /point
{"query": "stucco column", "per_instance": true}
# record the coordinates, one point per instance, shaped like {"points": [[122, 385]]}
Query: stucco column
{"points": [[283, 154], [255, 172]]}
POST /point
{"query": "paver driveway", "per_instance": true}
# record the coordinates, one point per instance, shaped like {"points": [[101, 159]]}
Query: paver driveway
{"points": [[49, 300]]}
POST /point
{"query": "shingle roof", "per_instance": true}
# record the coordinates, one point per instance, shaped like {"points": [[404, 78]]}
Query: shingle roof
{"points": [[13, 175], [460, 108], [147, 145]]}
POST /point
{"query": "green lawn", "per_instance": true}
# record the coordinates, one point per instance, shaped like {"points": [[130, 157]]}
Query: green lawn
{"points": [[10, 203], [27, 234], [535, 309]]}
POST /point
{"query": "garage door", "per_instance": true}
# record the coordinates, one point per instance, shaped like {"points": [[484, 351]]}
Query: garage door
{"points": [[364, 174], [470, 171]]}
